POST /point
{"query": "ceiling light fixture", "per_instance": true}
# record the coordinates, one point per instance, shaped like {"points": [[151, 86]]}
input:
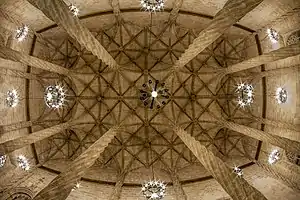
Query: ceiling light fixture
{"points": [[12, 98], [245, 94], [274, 156], [2, 160], [273, 35], [238, 171], [55, 96], [154, 93], [23, 162], [153, 5], [154, 190], [281, 95], [22, 33], [74, 10], [76, 186]]}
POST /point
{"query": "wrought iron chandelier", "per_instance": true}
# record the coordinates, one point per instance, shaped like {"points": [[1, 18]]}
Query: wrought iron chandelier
{"points": [[245, 94], [2, 160], [12, 98], [274, 156], [154, 190], [55, 96], [238, 171], [281, 95], [22, 33], [153, 5], [23, 162], [273, 35], [74, 10], [154, 93]]}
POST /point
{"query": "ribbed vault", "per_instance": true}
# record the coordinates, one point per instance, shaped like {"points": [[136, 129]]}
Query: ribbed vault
{"points": [[100, 97]]}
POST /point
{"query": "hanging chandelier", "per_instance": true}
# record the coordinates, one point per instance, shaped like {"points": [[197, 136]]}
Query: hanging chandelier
{"points": [[154, 190], [74, 10], [12, 98], [245, 94], [154, 94], [2, 160], [55, 96], [273, 35], [23, 162], [153, 5], [22, 33], [238, 171], [281, 95], [274, 156]]}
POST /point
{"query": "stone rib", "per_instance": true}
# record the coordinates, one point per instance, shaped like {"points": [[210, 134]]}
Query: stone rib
{"points": [[15, 126], [61, 186], [266, 58], [284, 143], [175, 11], [16, 56], [232, 12], [116, 194], [180, 194], [236, 187], [59, 12], [23, 141]]}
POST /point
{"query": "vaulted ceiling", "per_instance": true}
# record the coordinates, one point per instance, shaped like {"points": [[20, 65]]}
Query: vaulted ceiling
{"points": [[146, 47]]}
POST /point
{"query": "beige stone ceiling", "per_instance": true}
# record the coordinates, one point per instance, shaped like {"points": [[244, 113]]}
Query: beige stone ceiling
{"points": [[146, 49]]}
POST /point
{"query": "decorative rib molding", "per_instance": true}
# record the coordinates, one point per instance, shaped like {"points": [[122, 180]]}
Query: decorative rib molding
{"points": [[61, 186], [16, 56], [59, 12], [236, 187], [231, 13]]}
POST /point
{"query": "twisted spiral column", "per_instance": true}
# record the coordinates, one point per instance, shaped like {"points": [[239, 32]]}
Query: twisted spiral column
{"points": [[284, 52], [283, 172], [59, 12], [16, 56], [284, 143], [61, 186], [236, 187], [232, 12], [12, 145]]}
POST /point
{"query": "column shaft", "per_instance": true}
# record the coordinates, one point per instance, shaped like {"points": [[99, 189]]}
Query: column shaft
{"points": [[19, 74], [266, 58], [59, 12], [285, 143], [236, 187], [61, 186], [232, 12], [15, 126], [283, 172], [10, 54], [12, 145]]}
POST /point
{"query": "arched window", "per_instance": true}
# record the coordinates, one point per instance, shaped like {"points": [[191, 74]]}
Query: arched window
{"points": [[19, 196], [20, 193], [294, 38], [293, 158]]}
